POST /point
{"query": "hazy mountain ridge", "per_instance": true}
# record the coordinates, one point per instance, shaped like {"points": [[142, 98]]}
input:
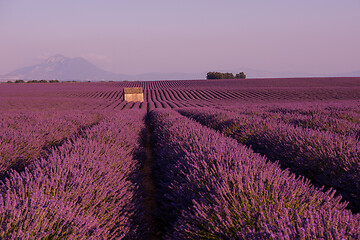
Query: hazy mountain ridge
{"points": [[63, 68], [66, 69]]}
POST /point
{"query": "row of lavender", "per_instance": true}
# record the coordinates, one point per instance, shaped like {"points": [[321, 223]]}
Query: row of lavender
{"points": [[39, 102], [211, 187], [27, 135], [124, 105], [317, 121], [325, 157], [86, 189], [336, 117], [221, 97]]}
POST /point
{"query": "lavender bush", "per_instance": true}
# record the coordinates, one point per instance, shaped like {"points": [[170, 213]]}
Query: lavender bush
{"points": [[327, 159], [26, 136], [333, 117], [318, 122], [86, 189], [211, 187]]}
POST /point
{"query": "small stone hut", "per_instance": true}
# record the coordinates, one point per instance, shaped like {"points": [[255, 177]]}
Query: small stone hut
{"points": [[133, 94]]}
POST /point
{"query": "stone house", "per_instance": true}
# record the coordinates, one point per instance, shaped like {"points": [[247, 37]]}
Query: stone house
{"points": [[133, 94]]}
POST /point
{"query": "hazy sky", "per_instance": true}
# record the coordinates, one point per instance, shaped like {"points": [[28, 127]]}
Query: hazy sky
{"points": [[139, 36]]}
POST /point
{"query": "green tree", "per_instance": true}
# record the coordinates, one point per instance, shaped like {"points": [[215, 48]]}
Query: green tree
{"points": [[211, 75], [32, 81], [227, 76], [240, 75]]}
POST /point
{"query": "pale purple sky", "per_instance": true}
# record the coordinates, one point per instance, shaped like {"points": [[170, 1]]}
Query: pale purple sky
{"points": [[138, 36]]}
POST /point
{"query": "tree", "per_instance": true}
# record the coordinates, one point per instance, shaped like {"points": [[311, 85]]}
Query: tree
{"points": [[211, 75], [19, 81], [240, 75], [227, 75], [33, 81]]}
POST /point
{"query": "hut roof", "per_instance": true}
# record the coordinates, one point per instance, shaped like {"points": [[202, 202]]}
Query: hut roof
{"points": [[134, 90]]}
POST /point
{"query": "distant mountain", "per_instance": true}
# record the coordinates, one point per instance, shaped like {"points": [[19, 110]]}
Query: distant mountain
{"points": [[64, 69]]}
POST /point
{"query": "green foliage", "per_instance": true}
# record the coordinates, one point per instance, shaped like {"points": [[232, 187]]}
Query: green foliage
{"points": [[241, 75], [227, 75], [19, 81], [33, 81], [38, 81], [54, 81]]}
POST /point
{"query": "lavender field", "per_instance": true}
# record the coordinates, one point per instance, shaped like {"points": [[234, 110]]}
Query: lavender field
{"points": [[200, 159]]}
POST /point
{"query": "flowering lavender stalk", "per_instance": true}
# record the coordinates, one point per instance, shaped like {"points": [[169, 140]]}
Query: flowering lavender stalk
{"points": [[211, 187], [343, 119], [86, 189], [26, 136], [327, 159]]}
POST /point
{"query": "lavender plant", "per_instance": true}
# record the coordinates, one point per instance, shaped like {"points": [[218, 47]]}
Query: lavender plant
{"points": [[26, 136], [342, 119], [211, 187], [86, 189], [327, 159]]}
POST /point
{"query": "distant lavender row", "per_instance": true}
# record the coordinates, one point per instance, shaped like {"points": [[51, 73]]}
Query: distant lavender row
{"points": [[347, 112], [333, 117], [25, 136], [221, 92], [342, 110], [123, 105], [86, 189], [211, 187], [327, 159], [39, 102], [320, 122], [221, 97]]}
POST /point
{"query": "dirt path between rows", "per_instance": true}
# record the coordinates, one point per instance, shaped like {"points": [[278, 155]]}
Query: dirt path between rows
{"points": [[149, 187]]}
